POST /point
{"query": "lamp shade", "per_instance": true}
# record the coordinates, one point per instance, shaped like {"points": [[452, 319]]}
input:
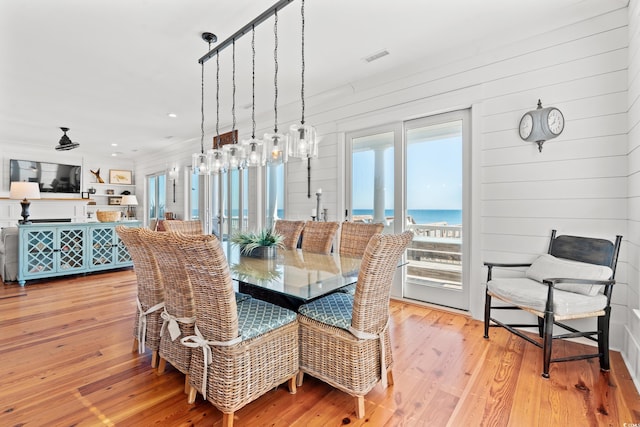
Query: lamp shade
{"points": [[24, 190], [129, 200]]}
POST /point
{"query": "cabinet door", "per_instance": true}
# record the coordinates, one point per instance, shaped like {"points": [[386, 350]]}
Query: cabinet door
{"points": [[122, 254], [102, 247], [71, 249], [39, 251]]}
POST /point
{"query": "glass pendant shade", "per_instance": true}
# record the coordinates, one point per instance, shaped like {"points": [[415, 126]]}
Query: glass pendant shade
{"points": [[253, 150], [276, 148], [217, 161], [303, 141], [235, 157], [200, 164]]}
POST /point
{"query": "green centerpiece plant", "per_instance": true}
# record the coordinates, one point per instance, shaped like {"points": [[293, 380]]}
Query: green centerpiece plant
{"points": [[261, 244]]}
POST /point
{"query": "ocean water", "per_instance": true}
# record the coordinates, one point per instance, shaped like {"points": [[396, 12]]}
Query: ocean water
{"points": [[423, 216], [420, 216]]}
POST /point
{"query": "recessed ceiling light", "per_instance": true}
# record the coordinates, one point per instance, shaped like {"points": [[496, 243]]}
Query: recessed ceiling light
{"points": [[376, 55], [172, 115], [114, 154], [113, 144]]}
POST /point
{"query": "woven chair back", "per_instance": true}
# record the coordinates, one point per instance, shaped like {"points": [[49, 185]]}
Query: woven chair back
{"points": [[379, 263], [291, 231], [178, 295], [214, 296], [184, 227], [318, 236], [149, 280], [354, 237]]}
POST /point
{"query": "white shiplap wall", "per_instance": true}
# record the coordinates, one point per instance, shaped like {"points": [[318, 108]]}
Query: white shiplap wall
{"points": [[587, 181], [631, 345]]}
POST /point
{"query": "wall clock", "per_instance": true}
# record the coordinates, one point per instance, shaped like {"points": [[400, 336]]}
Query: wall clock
{"points": [[541, 124]]}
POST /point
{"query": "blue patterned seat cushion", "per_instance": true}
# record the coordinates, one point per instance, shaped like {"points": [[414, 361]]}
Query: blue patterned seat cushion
{"points": [[256, 317], [241, 297], [334, 309]]}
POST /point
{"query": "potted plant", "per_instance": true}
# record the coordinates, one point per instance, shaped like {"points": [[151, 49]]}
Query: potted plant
{"points": [[262, 244]]}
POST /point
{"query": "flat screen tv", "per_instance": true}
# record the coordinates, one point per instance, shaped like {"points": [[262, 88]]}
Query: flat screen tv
{"points": [[51, 177]]}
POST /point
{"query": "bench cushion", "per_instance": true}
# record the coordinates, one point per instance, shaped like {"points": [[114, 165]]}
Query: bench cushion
{"points": [[334, 309], [531, 294], [256, 317], [549, 267]]}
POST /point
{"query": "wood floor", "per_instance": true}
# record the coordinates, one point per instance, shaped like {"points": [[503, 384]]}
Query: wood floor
{"points": [[65, 359]]}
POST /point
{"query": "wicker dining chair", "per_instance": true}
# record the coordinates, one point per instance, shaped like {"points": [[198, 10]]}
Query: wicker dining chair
{"points": [[318, 236], [354, 237], [185, 227], [291, 231], [179, 310], [344, 339], [150, 300], [242, 349]]}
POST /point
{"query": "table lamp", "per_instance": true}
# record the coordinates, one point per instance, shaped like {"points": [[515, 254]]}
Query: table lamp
{"points": [[23, 191], [128, 201]]}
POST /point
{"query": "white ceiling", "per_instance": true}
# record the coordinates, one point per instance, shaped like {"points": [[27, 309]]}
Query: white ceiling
{"points": [[111, 70]]}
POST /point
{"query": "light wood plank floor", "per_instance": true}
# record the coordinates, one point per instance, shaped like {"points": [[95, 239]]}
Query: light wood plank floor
{"points": [[65, 359]]}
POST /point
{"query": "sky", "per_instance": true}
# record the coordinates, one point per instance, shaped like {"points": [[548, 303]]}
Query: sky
{"points": [[434, 176]]}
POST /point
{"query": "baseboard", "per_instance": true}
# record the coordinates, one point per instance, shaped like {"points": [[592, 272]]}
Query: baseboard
{"points": [[631, 353]]}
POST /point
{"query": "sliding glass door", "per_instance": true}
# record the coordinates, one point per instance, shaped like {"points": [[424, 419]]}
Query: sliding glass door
{"points": [[411, 176], [435, 177], [156, 198]]}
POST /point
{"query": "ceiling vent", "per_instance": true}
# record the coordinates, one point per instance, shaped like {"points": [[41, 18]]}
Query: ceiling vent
{"points": [[376, 55]]}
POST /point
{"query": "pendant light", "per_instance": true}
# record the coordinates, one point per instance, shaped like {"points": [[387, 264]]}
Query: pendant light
{"points": [[200, 161], [234, 152], [276, 147], [303, 141], [217, 159], [252, 146]]}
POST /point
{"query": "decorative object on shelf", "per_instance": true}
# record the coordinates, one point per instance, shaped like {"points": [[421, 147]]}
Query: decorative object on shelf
{"points": [[262, 244], [201, 162], [84, 194], [110, 192], [108, 216], [173, 176], [65, 143], [99, 179], [114, 200], [541, 124], [91, 190], [128, 201], [303, 141], [23, 191], [117, 176]]}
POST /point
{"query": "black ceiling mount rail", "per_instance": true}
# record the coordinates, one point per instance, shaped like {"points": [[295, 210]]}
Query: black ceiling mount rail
{"points": [[242, 31]]}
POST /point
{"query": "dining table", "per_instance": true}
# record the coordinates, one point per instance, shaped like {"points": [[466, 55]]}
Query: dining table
{"points": [[292, 277]]}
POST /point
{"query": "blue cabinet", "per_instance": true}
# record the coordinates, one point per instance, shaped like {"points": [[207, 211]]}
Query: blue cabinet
{"points": [[49, 250]]}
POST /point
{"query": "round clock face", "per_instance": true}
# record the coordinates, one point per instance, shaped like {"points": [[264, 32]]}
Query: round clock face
{"points": [[555, 120], [526, 126]]}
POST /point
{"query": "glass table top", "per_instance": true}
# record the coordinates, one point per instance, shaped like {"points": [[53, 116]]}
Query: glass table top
{"points": [[293, 272]]}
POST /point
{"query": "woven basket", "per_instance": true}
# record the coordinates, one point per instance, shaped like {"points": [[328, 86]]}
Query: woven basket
{"points": [[108, 216]]}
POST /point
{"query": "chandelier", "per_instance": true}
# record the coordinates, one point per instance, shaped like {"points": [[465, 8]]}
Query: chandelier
{"points": [[274, 148]]}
